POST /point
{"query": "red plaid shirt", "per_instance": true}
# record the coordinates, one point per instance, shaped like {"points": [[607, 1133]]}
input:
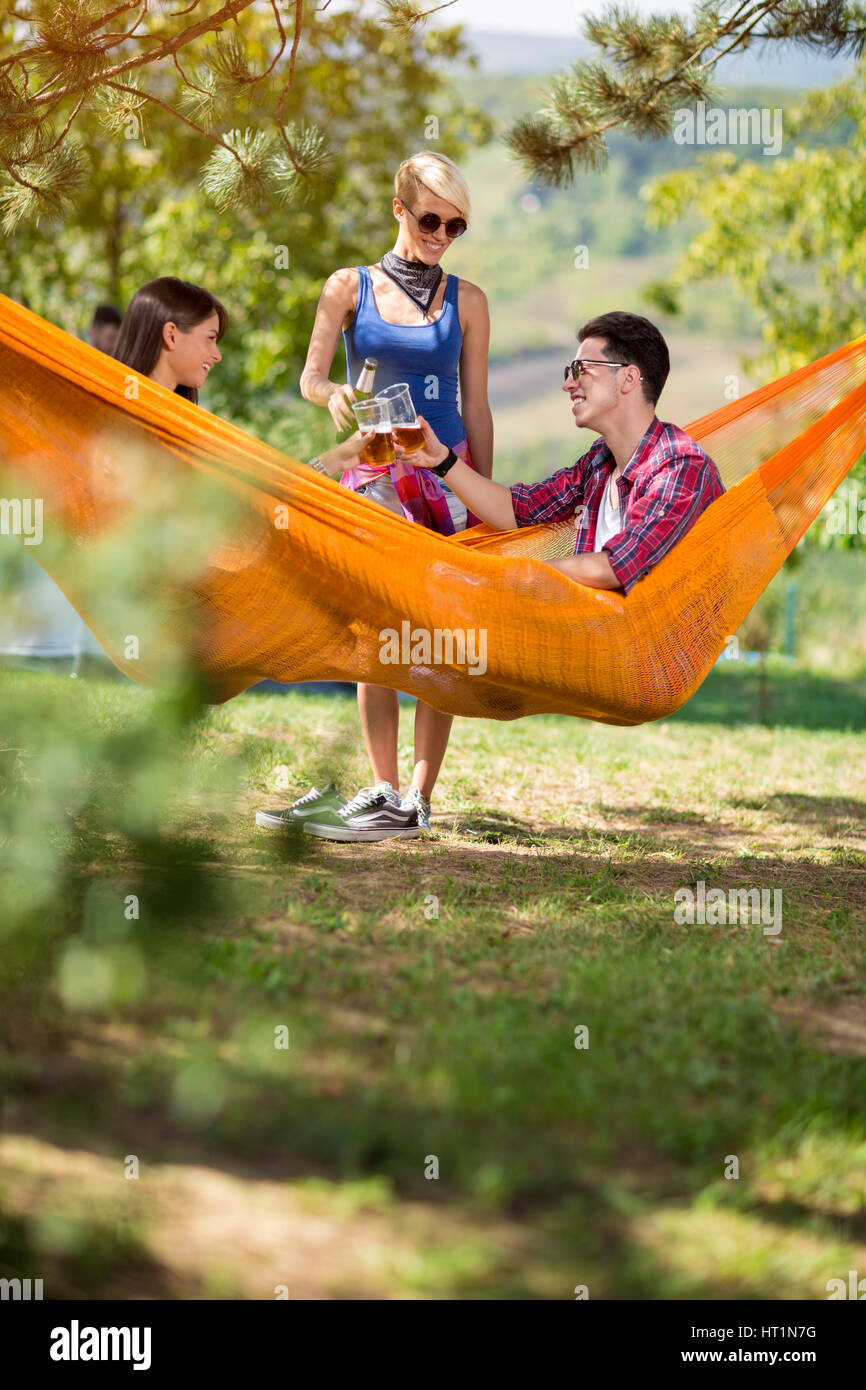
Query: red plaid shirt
{"points": [[664, 487]]}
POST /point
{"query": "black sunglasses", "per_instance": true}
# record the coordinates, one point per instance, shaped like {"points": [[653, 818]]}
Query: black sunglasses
{"points": [[431, 222], [577, 366]]}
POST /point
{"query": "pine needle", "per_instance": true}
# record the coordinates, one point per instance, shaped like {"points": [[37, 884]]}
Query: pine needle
{"points": [[292, 171], [239, 175], [51, 186]]}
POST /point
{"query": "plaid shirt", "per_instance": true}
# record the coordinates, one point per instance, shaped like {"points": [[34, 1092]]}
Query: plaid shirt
{"points": [[664, 487]]}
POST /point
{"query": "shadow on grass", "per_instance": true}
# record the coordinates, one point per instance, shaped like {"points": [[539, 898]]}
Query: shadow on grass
{"points": [[577, 1226], [846, 1226], [103, 1259], [812, 810], [688, 1061], [344, 1113]]}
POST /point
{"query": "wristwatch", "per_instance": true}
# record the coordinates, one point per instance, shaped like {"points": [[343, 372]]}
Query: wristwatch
{"points": [[316, 462], [448, 462]]}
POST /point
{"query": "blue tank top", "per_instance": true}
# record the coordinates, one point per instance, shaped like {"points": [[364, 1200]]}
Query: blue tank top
{"points": [[426, 356]]}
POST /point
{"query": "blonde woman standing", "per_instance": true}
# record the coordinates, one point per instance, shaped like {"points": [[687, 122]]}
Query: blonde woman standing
{"points": [[431, 330]]}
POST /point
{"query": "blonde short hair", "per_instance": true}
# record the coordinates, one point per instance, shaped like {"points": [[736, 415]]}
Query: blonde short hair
{"points": [[438, 174]]}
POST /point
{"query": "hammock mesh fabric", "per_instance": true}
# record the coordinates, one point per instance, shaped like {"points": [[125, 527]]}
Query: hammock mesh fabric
{"points": [[311, 602]]}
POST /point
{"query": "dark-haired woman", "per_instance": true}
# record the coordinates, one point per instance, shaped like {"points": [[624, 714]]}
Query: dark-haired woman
{"points": [[170, 333]]}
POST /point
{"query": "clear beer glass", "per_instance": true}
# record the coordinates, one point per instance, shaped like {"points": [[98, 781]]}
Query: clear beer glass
{"points": [[404, 420], [376, 415]]}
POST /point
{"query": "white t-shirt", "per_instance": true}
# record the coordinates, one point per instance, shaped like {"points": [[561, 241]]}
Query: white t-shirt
{"points": [[610, 515]]}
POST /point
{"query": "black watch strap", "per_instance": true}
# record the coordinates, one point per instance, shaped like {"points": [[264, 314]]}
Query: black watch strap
{"points": [[448, 462]]}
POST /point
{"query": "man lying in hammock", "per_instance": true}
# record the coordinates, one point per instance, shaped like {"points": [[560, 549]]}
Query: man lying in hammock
{"points": [[635, 493]]}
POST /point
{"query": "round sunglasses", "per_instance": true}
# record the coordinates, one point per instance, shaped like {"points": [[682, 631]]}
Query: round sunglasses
{"points": [[431, 222]]}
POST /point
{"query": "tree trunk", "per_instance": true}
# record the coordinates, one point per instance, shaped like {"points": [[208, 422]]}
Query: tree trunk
{"points": [[114, 247]]}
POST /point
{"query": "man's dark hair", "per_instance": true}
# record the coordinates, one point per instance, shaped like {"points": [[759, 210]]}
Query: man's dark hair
{"points": [[634, 340], [104, 314]]}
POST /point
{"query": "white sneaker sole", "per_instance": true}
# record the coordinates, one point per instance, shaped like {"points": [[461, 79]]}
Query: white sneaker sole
{"points": [[334, 832], [269, 822]]}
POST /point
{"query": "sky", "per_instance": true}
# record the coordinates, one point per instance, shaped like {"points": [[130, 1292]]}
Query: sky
{"points": [[539, 16]]}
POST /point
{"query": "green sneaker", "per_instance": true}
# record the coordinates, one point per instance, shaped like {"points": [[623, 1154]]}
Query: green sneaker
{"points": [[311, 803], [374, 814]]}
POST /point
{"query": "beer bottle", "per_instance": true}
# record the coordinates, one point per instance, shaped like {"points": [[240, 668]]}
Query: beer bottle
{"points": [[363, 392]]}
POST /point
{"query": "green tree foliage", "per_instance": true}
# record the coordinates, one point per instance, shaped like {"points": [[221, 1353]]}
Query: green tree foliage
{"points": [[791, 231], [265, 222], [60, 59], [648, 67], [790, 235]]}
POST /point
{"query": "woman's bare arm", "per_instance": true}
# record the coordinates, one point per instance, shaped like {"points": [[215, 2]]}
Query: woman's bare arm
{"points": [[335, 302]]}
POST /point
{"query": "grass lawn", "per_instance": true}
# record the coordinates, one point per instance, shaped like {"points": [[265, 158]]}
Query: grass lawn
{"points": [[431, 991]]}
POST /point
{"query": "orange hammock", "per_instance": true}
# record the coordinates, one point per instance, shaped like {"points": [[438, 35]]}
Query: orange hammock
{"points": [[312, 601]]}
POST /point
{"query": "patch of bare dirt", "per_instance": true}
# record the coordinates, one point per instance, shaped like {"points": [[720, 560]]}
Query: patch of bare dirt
{"points": [[838, 1026]]}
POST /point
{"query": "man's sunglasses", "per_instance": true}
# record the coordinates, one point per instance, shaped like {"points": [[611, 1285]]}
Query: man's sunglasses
{"points": [[578, 365], [431, 222]]}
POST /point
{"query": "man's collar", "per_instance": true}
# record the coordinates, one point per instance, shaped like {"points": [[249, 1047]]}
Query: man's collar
{"points": [[605, 456]]}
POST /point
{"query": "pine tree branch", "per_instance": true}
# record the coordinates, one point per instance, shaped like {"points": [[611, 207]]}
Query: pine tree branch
{"points": [[301, 148], [113, 14], [282, 48], [106, 43], [114, 39], [49, 149], [230, 10], [172, 111], [44, 116], [636, 92], [185, 78], [296, 39], [744, 24], [741, 40], [424, 14], [20, 180], [54, 178]]}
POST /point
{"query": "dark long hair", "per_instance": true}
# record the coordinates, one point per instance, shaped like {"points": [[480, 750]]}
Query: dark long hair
{"points": [[157, 303]]}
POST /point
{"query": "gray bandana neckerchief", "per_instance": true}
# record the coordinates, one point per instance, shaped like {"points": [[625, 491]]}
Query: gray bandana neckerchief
{"points": [[417, 279]]}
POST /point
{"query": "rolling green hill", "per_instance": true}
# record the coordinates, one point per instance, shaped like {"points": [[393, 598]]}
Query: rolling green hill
{"points": [[549, 259]]}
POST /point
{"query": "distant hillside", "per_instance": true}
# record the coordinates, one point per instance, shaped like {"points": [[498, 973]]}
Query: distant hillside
{"points": [[540, 54]]}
